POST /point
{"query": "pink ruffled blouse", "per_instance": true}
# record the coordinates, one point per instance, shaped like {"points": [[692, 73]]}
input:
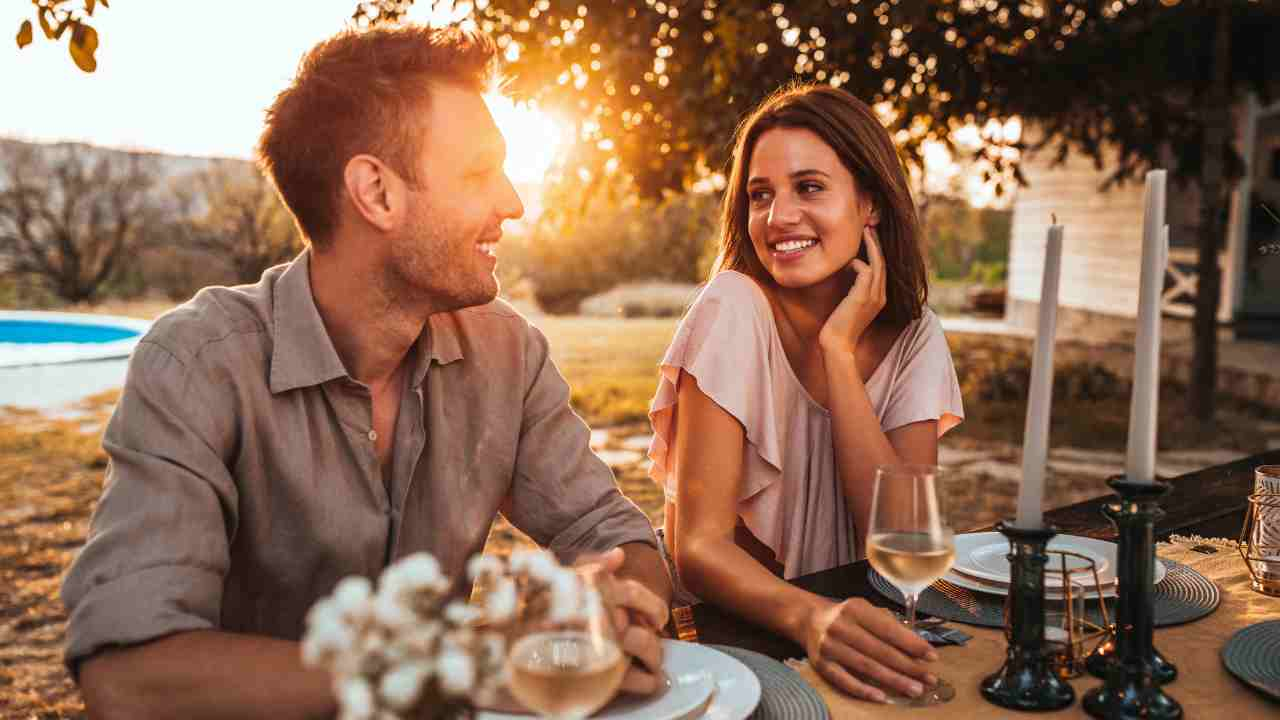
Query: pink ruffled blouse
{"points": [[791, 497]]}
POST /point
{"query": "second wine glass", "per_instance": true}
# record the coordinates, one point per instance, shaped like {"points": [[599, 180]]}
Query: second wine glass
{"points": [[910, 543]]}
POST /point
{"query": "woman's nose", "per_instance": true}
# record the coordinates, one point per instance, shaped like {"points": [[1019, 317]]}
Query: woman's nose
{"points": [[783, 212]]}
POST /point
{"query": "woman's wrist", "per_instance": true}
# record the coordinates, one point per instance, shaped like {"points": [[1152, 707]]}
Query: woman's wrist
{"points": [[806, 612], [835, 345]]}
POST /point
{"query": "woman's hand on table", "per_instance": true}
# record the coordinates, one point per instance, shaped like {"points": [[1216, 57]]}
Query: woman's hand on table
{"points": [[853, 642]]}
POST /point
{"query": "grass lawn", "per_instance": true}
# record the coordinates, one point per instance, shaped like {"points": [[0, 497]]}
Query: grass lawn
{"points": [[611, 365]]}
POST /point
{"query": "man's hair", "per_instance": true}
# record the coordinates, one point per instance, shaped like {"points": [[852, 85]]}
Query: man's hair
{"points": [[852, 130], [362, 92]]}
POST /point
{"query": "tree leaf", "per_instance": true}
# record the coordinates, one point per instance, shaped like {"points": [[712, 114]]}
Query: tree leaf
{"points": [[84, 42], [24, 34], [44, 23]]}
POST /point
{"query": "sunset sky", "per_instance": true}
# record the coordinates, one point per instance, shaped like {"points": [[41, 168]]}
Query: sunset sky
{"points": [[194, 79]]}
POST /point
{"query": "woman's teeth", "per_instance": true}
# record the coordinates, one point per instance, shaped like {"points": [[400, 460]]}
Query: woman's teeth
{"points": [[490, 249], [793, 245]]}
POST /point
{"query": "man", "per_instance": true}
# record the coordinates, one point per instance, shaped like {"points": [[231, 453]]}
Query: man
{"points": [[369, 400]]}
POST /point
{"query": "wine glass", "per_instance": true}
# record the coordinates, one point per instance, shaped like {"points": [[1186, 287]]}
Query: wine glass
{"points": [[565, 661], [910, 544]]}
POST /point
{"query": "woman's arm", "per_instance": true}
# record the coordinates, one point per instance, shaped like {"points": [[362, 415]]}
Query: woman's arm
{"points": [[844, 641], [860, 444]]}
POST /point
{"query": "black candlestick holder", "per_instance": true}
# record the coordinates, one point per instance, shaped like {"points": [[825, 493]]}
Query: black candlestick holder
{"points": [[1027, 681], [1132, 669]]}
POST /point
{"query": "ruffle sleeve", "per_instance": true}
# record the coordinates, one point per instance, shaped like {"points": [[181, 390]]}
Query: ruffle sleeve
{"points": [[724, 341], [926, 387]]}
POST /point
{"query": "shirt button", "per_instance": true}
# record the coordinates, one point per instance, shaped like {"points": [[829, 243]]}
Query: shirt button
{"points": [[373, 436]]}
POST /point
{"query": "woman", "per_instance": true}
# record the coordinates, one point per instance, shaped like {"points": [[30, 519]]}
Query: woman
{"points": [[809, 359]]}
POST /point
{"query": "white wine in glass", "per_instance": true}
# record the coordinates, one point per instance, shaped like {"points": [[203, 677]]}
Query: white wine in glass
{"points": [[568, 669], [910, 544], [565, 673]]}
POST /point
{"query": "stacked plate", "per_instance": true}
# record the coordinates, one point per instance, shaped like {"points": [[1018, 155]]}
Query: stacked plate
{"points": [[982, 564]]}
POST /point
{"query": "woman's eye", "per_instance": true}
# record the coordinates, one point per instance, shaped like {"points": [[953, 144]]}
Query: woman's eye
{"points": [[758, 196], [810, 187]]}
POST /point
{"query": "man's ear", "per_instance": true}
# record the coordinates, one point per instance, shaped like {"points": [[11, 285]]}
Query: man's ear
{"points": [[375, 191]]}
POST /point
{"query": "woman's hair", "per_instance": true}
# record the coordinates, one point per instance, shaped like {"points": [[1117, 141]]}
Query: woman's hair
{"points": [[853, 131]]}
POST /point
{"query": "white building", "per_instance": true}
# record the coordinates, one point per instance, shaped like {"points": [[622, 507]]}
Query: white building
{"points": [[1103, 237]]}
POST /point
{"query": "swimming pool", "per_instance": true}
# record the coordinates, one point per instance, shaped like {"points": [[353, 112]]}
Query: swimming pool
{"points": [[46, 338]]}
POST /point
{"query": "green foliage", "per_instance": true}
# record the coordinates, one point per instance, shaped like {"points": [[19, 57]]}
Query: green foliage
{"points": [[586, 243], [965, 242]]}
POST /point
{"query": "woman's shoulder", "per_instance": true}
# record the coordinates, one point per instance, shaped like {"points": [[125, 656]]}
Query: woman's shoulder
{"points": [[735, 285]]}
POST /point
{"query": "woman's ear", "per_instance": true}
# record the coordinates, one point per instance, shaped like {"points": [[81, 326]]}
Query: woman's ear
{"points": [[873, 219]]}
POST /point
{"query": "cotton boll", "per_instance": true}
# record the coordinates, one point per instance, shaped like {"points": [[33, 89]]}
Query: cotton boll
{"points": [[352, 593], [414, 572], [392, 613], [502, 601], [456, 670], [482, 565], [400, 687], [324, 612], [324, 638], [539, 564], [357, 699], [460, 613], [565, 595]]}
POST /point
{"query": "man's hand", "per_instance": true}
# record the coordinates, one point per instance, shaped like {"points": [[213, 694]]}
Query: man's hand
{"points": [[638, 616]]}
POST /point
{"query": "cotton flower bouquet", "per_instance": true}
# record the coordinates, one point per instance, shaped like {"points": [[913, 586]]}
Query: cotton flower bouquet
{"points": [[405, 650]]}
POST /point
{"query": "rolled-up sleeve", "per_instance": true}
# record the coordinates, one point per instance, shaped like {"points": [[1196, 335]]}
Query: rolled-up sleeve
{"points": [[157, 552], [563, 495]]}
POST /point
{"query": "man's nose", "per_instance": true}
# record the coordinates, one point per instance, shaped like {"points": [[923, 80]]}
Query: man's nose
{"points": [[509, 205]]}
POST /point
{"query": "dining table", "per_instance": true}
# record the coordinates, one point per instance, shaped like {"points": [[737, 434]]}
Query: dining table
{"points": [[1202, 516]]}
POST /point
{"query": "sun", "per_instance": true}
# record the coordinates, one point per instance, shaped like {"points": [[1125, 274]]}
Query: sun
{"points": [[534, 138]]}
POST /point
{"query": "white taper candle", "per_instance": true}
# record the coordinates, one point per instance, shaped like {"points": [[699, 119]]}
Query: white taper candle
{"points": [[1140, 460], [1035, 437]]}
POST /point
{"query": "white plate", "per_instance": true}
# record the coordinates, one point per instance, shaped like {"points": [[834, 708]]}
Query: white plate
{"points": [[994, 588], [705, 683], [999, 588], [984, 556]]}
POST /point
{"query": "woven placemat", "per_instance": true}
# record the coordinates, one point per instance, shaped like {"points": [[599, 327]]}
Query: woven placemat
{"points": [[1253, 655], [1183, 596], [784, 695]]}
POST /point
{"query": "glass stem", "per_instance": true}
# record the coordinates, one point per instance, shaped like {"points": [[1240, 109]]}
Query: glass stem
{"points": [[911, 611]]}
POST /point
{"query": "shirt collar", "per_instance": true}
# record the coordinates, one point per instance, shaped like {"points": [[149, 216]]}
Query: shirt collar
{"points": [[303, 355], [439, 342]]}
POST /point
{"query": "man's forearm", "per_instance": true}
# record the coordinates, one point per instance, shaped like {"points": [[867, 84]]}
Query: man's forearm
{"points": [[205, 674], [644, 565]]}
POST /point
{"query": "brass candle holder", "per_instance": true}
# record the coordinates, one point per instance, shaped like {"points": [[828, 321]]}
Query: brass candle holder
{"points": [[1070, 636], [1259, 544]]}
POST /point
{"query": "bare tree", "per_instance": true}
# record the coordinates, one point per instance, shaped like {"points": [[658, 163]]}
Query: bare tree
{"points": [[232, 212], [69, 213]]}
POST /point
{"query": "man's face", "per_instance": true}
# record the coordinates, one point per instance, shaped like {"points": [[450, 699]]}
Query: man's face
{"points": [[447, 250]]}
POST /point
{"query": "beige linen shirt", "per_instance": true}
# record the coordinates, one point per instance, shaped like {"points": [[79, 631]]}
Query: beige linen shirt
{"points": [[243, 481]]}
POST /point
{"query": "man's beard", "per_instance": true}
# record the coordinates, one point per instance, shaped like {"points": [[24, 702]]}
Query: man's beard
{"points": [[428, 267]]}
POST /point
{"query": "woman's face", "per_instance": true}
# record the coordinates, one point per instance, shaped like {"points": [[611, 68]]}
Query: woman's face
{"points": [[805, 212]]}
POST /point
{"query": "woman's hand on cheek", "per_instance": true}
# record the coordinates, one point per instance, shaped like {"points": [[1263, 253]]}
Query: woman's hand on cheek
{"points": [[855, 313]]}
